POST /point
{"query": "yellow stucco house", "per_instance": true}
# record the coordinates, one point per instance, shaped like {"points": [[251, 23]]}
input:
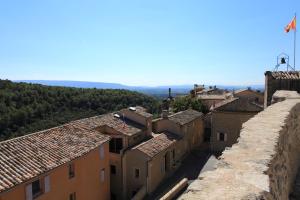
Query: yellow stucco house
{"points": [[66, 162]]}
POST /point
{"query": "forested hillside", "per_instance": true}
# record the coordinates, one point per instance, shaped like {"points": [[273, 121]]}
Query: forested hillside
{"points": [[26, 108]]}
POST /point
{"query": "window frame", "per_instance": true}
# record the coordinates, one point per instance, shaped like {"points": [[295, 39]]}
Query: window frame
{"points": [[137, 173], [39, 192], [224, 136]]}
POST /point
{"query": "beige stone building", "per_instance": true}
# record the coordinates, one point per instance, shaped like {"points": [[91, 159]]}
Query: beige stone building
{"points": [[149, 163], [188, 124], [154, 160], [251, 95], [227, 119], [213, 95]]}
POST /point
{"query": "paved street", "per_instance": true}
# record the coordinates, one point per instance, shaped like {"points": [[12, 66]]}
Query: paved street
{"points": [[194, 164]]}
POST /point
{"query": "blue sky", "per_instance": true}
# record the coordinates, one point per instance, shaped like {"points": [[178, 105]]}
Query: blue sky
{"points": [[142, 42]]}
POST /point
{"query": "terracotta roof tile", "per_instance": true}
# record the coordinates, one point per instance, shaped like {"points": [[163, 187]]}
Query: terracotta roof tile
{"points": [[157, 144], [124, 126], [284, 74], [185, 117], [237, 105], [28, 156]]}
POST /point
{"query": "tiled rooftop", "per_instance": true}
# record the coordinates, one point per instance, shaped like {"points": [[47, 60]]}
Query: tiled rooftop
{"points": [[157, 144], [185, 117], [212, 96], [124, 126], [28, 156], [284, 74], [237, 105], [142, 111]]}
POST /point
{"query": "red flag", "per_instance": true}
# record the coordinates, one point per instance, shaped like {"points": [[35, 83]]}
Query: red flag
{"points": [[291, 25]]}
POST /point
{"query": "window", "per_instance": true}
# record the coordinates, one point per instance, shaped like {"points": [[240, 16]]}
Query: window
{"points": [[113, 196], [136, 173], [222, 136], [115, 145], [71, 170], [113, 169], [36, 188], [102, 175], [72, 196], [173, 154], [133, 193], [101, 151], [47, 184]]}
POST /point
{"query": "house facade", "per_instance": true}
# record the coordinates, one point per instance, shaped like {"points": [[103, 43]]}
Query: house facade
{"points": [[65, 162], [251, 95], [111, 156], [227, 119], [149, 163], [126, 128]]}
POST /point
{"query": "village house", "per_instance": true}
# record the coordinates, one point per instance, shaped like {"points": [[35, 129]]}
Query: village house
{"points": [[126, 128], [156, 159], [212, 95], [251, 95], [280, 80], [111, 156], [66, 162], [227, 118]]}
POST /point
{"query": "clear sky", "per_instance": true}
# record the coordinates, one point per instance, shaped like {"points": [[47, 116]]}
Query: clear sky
{"points": [[145, 42]]}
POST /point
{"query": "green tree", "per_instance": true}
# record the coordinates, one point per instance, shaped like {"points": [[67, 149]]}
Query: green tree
{"points": [[187, 102]]}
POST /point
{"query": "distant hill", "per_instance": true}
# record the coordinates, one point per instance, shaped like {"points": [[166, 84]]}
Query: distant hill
{"points": [[26, 108], [78, 84], [158, 91]]}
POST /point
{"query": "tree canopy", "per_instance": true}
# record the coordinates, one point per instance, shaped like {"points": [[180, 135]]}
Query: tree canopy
{"points": [[187, 102], [27, 108]]}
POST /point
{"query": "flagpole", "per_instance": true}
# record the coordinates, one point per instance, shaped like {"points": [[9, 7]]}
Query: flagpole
{"points": [[295, 43]]}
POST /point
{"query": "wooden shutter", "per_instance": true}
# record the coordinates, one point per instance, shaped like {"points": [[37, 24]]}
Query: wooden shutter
{"points": [[218, 136], [101, 151], [102, 175], [225, 137], [29, 192], [47, 184]]}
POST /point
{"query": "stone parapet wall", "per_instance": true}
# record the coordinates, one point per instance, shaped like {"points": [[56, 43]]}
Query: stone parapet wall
{"points": [[264, 162]]}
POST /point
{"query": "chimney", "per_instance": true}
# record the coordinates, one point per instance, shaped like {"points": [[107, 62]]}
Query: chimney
{"points": [[165, 114]]}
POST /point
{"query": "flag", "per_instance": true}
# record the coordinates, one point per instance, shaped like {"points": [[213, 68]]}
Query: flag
{"points": [[291, 25]]}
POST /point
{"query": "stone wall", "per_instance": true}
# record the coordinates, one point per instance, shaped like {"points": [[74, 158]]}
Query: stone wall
{"points": [[264, 162]]}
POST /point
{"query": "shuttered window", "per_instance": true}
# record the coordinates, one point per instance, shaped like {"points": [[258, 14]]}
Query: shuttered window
{"points": [[102, 175], [101, 152], [29, 192], [47, 184]]}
